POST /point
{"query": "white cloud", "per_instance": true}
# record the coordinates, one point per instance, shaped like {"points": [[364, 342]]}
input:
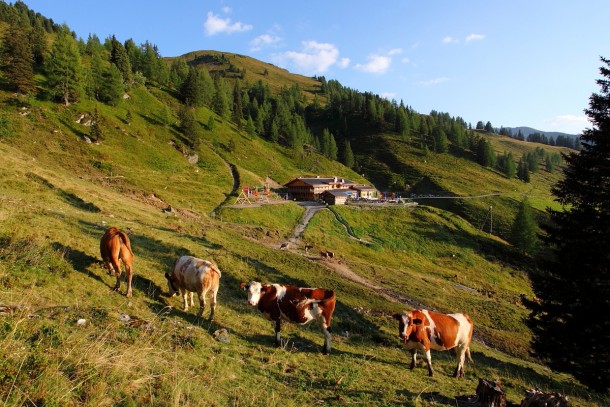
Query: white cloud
{"points": [[377, 64], [226, 10], [343, 63], [450, 40], [388, 95], [434, 81], [405, 60], [475, 37], [263, 41], [569, 123], [395, 51], [217, 25], [315, 57]]}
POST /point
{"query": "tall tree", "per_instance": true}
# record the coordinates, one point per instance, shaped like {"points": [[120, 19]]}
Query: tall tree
{"points": [[112, 87], [348, 155], [64, 69], [119, 57], [523, 230], [576, 285], [220, 102], [18, 59], [95, 131]]}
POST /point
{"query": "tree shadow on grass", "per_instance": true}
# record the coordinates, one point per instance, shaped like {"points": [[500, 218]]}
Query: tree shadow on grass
{"points": [[81, 261], [69, 197]]}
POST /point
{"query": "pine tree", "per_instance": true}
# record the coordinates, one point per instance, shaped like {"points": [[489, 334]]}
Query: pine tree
{"points": [[112, 87], [348, 155], [119, 57], [575, 289], [95, 131], [237, 105], [485, 153], [64, 69], [18, 59], [523, 172], [523, 230], [220, 102]]}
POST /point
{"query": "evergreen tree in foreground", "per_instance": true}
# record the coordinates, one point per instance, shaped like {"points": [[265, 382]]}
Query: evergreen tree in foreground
{"points": [[572, 331]]}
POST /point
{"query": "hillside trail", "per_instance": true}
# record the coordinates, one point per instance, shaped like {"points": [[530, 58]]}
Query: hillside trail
{"points": [[295, 245]]}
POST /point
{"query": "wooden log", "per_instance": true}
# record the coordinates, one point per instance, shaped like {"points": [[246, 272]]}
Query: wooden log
{"points": [[537, 398]]}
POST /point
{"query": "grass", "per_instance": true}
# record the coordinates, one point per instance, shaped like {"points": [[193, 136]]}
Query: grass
{"points": [[58, 194]]}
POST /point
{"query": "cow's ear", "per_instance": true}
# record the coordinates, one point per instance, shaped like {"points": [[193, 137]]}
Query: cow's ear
{"points": [[397, 316], [417, 321], [243, 286], [264, 289]]}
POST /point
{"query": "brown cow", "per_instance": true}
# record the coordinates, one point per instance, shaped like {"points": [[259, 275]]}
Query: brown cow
{"points": [[115, 246], [191, 274], [300, 305], [425, 330]]}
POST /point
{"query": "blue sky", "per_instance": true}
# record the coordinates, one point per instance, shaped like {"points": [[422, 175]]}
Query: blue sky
{"points": [[514, 63]]}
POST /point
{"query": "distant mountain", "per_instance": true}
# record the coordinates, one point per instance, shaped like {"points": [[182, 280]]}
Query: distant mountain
{"points": [[526, 131]]}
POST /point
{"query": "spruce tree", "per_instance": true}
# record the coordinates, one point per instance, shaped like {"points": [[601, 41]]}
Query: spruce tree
{"points": [[95, 131], [64, 69], [348, 155], [119, 57], [18, 59], [572, 331], [523, 230]]}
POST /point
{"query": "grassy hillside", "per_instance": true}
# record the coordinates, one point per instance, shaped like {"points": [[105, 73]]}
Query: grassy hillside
{"points": [[59, 193]]}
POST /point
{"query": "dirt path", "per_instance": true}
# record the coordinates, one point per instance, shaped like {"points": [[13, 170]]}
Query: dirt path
{"points": [[337, 265]]}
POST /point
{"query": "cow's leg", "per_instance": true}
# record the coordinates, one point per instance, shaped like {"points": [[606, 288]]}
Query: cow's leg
{"points": [[460, 355], [278, 340], [108, 266], [184, 293], [117, 273], [201, 296], [213, 303], [192, 294], [128, 277], [413, 358], [429, 362], [327, 335]]}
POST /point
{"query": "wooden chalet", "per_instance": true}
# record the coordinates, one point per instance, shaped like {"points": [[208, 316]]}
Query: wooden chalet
{"points": [[334, 191], [312, 189]]}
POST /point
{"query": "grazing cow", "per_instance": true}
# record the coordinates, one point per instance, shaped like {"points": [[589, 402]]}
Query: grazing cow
{"points": [[284, 246], [115, 246], [300, 305], [191, 274], [425, 330], [308, 247], [328, 255]]}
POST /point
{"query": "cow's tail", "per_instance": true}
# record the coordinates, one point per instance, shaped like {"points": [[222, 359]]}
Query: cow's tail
{"points": [[215, 268], [125, 241]]}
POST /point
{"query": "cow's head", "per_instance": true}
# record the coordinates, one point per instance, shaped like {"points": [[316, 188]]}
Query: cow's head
{"points": [[407, 324], [171, 286], [254, 290]]}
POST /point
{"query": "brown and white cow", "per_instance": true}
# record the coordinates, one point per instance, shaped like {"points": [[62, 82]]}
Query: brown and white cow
{"points": [[115, 246], [191, 274], [425, 330], [300, 305]]}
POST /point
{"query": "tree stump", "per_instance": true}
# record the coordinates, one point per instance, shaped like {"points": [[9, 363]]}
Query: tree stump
{"points": [[537, 398], [489, 394]]}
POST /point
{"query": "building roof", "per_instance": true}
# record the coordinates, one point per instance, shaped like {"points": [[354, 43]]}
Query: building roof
{"points": [[338, 192], [318, 181], [363, 188]]}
